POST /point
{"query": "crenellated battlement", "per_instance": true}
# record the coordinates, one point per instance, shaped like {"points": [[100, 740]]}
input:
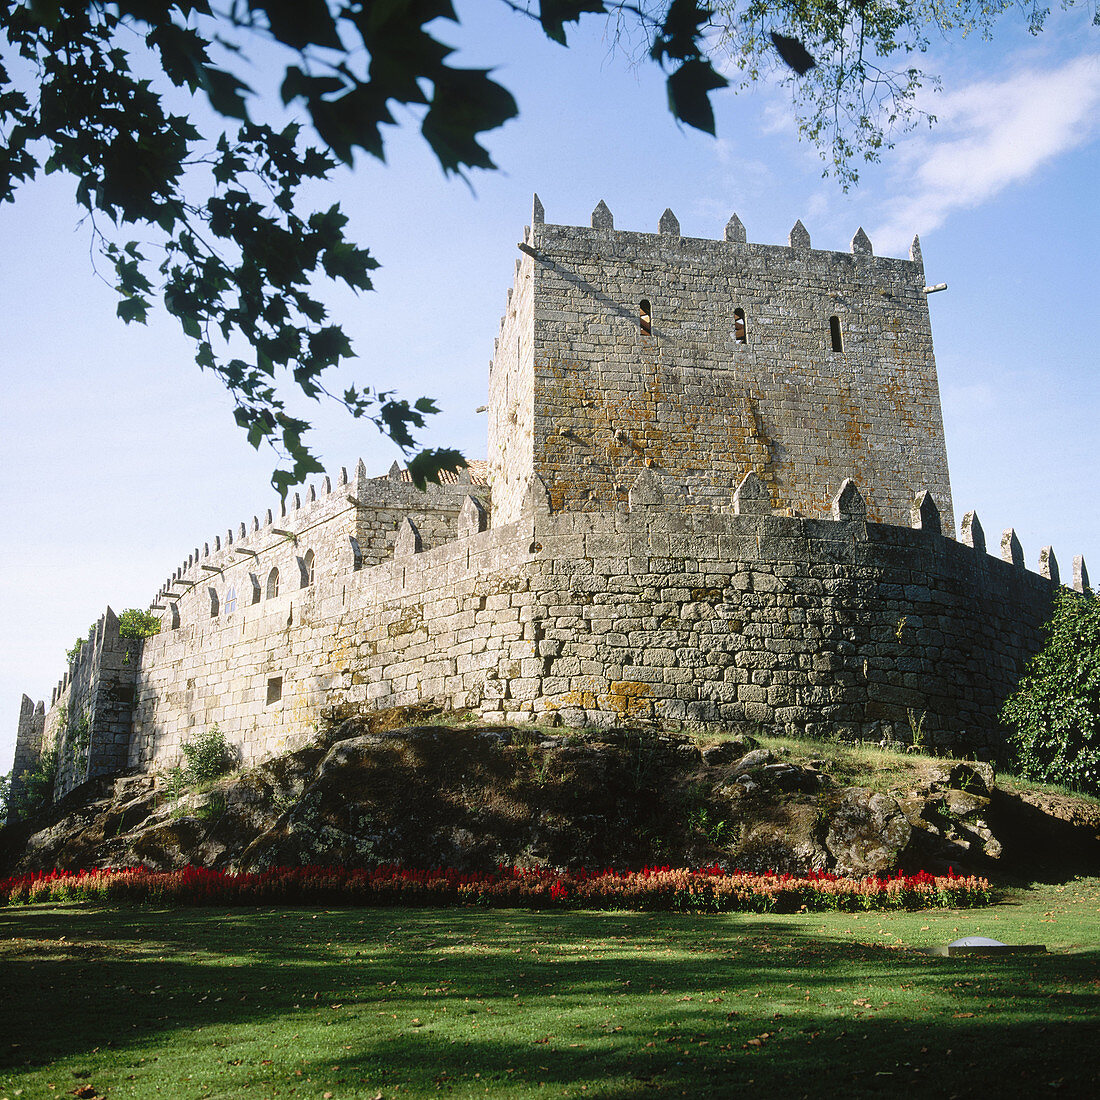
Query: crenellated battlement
{"points": [[705, 357], [354, 520], [668, 225], [645, 613]]}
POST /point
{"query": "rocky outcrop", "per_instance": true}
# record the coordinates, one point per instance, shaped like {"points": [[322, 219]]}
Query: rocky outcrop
{"points": [[867, 833], [472, 798]]}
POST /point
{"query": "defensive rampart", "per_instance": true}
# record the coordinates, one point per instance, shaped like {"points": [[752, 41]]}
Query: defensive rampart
{"points": [[811, 625], [646, 614], [713, 498]]}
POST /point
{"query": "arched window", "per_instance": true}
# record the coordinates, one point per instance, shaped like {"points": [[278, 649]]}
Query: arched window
{"points": [[307, 569], [740, 332], [231, 599], [273, 584], [645, 317], [834, 334]]}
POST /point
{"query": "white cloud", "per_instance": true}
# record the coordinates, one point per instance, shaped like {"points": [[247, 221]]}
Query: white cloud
{"points": [[989, 135]]}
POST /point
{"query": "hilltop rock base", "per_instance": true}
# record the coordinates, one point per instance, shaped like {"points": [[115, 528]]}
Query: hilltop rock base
{"points": [[475, 797]]}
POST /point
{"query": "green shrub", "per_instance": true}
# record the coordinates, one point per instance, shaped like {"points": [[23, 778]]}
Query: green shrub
{"points": [[135, 623], [207, 756], [1055, 712], [37, 789], [132, 623]]}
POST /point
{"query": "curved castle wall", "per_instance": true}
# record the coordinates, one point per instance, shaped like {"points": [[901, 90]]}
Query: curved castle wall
{"points": [[668, 541], [811, 625], [651, 614]]}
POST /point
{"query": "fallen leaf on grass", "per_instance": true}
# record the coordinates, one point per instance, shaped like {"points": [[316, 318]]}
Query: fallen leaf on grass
{"points": [[963, 1015], [759, 1041]]}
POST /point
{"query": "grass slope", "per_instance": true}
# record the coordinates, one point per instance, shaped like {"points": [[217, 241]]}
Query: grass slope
{"points": [[393, 1003]]}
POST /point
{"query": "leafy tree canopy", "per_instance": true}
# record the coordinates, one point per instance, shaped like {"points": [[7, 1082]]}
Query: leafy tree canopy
{"points": [[1055, 712], [211, 220], [849, 64], [204, 211]]}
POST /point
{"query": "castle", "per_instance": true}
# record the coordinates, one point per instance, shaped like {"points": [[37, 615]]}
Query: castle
{"points": [[716, 493]]}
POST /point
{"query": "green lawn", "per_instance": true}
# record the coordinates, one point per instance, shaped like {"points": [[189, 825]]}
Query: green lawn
{"points": [[393, 1003]]}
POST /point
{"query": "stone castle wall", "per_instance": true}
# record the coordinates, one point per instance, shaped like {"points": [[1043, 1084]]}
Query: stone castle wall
{"points": [[809, 625], [448, 623], [702, 512], [89, 720], [650, 614], [28, 749], [512, 398], [736, 372]]}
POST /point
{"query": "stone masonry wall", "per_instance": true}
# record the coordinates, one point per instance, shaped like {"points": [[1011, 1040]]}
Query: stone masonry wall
{"points": [[693, 402], [807, 624], [450, 624], [28, 747], [88, 722], [651, 614], [512, 397], [647, 613], [333, 530]]}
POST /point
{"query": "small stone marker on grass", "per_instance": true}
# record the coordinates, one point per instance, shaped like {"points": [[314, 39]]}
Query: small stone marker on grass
{"points": [[986, 948]]}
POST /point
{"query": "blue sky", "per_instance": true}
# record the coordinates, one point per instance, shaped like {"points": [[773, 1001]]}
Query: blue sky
{"points": [[120, 457]]}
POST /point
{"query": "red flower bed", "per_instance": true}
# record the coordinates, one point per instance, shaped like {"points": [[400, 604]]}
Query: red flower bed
{"points": [[677, 889]]}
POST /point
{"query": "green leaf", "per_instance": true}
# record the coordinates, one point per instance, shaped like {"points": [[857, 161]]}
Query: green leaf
{"points": [[133, 309], [688, 94], [225, 92], [465, 103], [554, 14], [429, 464], [300, 23]]}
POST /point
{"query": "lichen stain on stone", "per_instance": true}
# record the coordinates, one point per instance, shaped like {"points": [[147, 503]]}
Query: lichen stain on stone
{"points": [[628, 699]]}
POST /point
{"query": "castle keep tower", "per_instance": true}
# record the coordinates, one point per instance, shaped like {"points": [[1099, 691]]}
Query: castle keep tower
{"points": [[701, 360]]}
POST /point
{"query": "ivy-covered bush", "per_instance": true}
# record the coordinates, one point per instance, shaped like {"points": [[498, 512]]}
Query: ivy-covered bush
{"points": [[1055, 712], [135, 623], [207, 756], [37, 786]]}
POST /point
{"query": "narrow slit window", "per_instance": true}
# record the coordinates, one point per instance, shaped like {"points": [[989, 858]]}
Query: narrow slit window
{"points": [[834, 334], [645, 317], [274, 689], [273, 584], [307, 569], [740, 333]]}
